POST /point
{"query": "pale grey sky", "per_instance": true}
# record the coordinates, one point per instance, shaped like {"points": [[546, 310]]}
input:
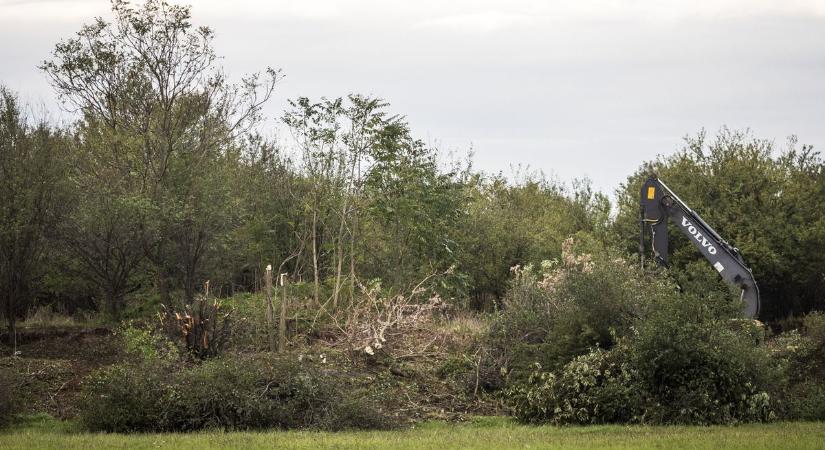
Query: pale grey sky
{"points": [[574, 88]]}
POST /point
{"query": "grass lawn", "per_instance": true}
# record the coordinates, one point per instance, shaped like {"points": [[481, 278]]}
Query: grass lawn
{"points": [[481, 433]]}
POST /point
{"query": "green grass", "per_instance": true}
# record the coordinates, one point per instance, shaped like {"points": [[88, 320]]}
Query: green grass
{"points": [[43, 432]]}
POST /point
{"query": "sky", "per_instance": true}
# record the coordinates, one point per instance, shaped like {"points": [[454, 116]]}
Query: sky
{"points": [[572, 88]]}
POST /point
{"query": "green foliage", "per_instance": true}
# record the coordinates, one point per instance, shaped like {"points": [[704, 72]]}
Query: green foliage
{"points": [[223, 393], [125, 397], [413, 210], [802, 355], [164, 183], [768, 206], [614, 345], [520, 223], [31, 178], [672, 372], [563, 309], [697, 368], [160, 133], [599, 387], [805, 401], [813, 326], [8, 400], [143, 344], [227, 393]]}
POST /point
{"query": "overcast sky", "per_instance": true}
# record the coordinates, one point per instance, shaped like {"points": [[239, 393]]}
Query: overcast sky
{"points": [[574, 88]]}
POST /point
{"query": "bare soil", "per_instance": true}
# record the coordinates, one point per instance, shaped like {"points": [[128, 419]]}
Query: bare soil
{"points": [[50, 366]]}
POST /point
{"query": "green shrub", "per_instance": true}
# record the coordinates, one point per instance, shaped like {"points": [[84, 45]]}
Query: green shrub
{"points": [[814, 327], [678, 362], [599, 387], [222, 393], [143, 344], [697, 369], [259, 392], [8, 405], [561, 310], [808, 363], [805, 401], [124, 398], [226, 393], [803, 357]]}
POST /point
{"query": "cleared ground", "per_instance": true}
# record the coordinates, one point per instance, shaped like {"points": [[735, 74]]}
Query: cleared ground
{"points": [[485, 433]]}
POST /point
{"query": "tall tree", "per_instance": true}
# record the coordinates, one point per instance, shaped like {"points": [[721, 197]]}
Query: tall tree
{"points": [[149, 83], [335, 138], [31, 175]]}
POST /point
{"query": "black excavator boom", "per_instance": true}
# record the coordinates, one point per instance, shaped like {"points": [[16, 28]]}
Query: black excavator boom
{"points": [[658, 204]]}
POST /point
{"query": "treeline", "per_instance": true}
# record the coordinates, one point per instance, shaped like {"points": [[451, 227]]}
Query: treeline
{"points": [[165, 181]]}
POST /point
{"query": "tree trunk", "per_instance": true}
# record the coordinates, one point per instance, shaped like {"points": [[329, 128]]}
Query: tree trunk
{"points": [[339, 268], [11, 323], [270, 313], [113, 302], [352, 265], [315, 256], [163, 287], [282, 318]]}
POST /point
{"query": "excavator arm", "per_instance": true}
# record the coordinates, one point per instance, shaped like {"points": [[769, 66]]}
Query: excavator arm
{"points": [[658, 204]]}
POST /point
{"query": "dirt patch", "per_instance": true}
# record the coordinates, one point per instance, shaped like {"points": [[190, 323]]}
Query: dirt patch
{"points": [[439, 380], [49, 368]]}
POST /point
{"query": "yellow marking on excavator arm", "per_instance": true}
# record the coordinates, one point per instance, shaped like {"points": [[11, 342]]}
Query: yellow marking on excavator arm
{"points": [[651, 192]]}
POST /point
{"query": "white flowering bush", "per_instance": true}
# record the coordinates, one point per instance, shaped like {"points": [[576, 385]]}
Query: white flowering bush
{"points": [[615, 345], [598, 387], [561, 309]]}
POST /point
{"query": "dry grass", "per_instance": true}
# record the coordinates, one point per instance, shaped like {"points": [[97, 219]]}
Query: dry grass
{"points": [[44, 317]]}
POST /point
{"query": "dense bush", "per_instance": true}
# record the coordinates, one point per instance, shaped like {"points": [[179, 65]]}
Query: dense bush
{"points": [[7, 399], [805, 401], [614, 345], [672, 371], [808, 361], [803, 358], [698, 369], [562, 309], [522, 222], [599, 387], [226, 393], [125, 397]]}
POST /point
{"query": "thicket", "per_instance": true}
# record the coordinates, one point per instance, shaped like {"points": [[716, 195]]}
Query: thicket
{"points": [[230, 392], [8, 400], [802, 355], [658, 355], [164, 182], [560, 309], [159, 389]]}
